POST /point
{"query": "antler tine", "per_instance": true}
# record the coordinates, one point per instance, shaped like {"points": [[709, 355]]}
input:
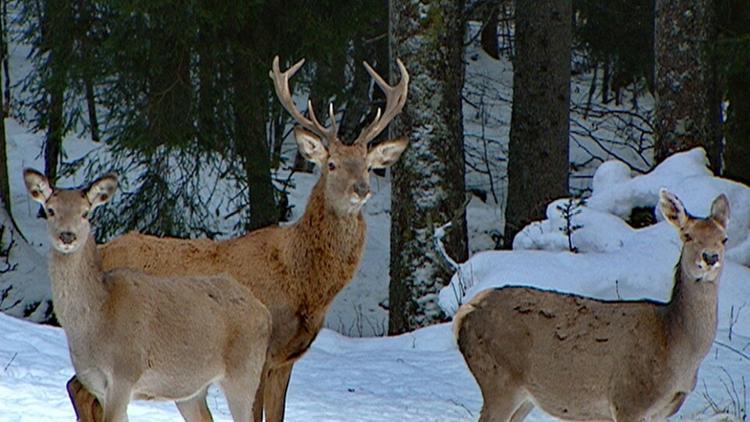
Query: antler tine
{"points": [[395, 97], [332, 115], [281, 86]]}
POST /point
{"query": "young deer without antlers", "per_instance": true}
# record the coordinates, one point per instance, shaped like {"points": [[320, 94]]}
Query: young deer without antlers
{"points": [[296, 271], [584, 359], [133, 335]]}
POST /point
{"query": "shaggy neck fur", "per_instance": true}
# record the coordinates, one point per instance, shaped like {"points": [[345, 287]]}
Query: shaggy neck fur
{"points": [[692, 312], [77, 283], [326, 248]]}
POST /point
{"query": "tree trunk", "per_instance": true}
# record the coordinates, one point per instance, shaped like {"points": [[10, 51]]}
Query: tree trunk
{"points": [[737, 154], [489, 34], [85, 23], [250, 130], [734, 23], [4, 183], [688, 112], [5, 59], [428, 182], [606, 78], [58, 42], [538, 159]]}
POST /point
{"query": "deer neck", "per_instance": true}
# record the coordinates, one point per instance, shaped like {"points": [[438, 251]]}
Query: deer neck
{"points": [[692, 313], [77, 284], [327, 248]]}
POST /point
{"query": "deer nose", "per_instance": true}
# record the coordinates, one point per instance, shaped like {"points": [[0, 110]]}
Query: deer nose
{"points": [[361, 189], [67, 237], [710, 258]]}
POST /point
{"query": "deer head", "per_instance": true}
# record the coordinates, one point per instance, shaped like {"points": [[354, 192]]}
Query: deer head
{"points": [[345, 167], [68, 210], [703, 238]]}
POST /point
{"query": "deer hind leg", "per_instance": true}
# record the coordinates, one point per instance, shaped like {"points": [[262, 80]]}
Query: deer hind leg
{"points": [[240, 391], [195, 409], [274, 392], [85, 404], [116, 399], [671, 408], [504, 399], [504, 405], [622, 413], [522, 411], [258, 402]]}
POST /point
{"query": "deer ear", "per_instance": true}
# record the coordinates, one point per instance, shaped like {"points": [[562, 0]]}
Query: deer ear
{"points": [[37, 185], [386, 153], [720, 210], [310, 146], [100, 191], [672, 208]]}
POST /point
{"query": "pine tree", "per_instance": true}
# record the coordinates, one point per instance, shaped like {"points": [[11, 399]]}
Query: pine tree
{"points": [[428, 183]]}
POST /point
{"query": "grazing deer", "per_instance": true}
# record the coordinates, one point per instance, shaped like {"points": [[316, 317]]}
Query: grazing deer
{"points": [[134, 335], [296, 271], [585, 359]]}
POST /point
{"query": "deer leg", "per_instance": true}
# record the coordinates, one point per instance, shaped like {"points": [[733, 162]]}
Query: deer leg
{"points": [[85, 404], [258, 402], [274, 393], [671, 408], [522, 411], [116, 401], [195, 409], [239, 392], [625, 413], [502, 405], [503, 400]]}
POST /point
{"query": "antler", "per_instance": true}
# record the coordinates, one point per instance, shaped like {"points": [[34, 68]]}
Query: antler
{"points": [[395, 98], [281, 85]]}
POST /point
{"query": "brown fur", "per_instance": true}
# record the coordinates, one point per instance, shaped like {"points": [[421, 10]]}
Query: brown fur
{"points": [[584, 359], [135, 335]]}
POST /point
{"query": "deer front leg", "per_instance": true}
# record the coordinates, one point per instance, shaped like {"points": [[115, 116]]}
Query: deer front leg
{"points": [[84, 403], [274, 392]]}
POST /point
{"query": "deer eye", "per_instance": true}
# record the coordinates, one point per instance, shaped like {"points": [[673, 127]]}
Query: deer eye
{"points": [[85, 215], [331, 166], [50, 212], [724, 241]]}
